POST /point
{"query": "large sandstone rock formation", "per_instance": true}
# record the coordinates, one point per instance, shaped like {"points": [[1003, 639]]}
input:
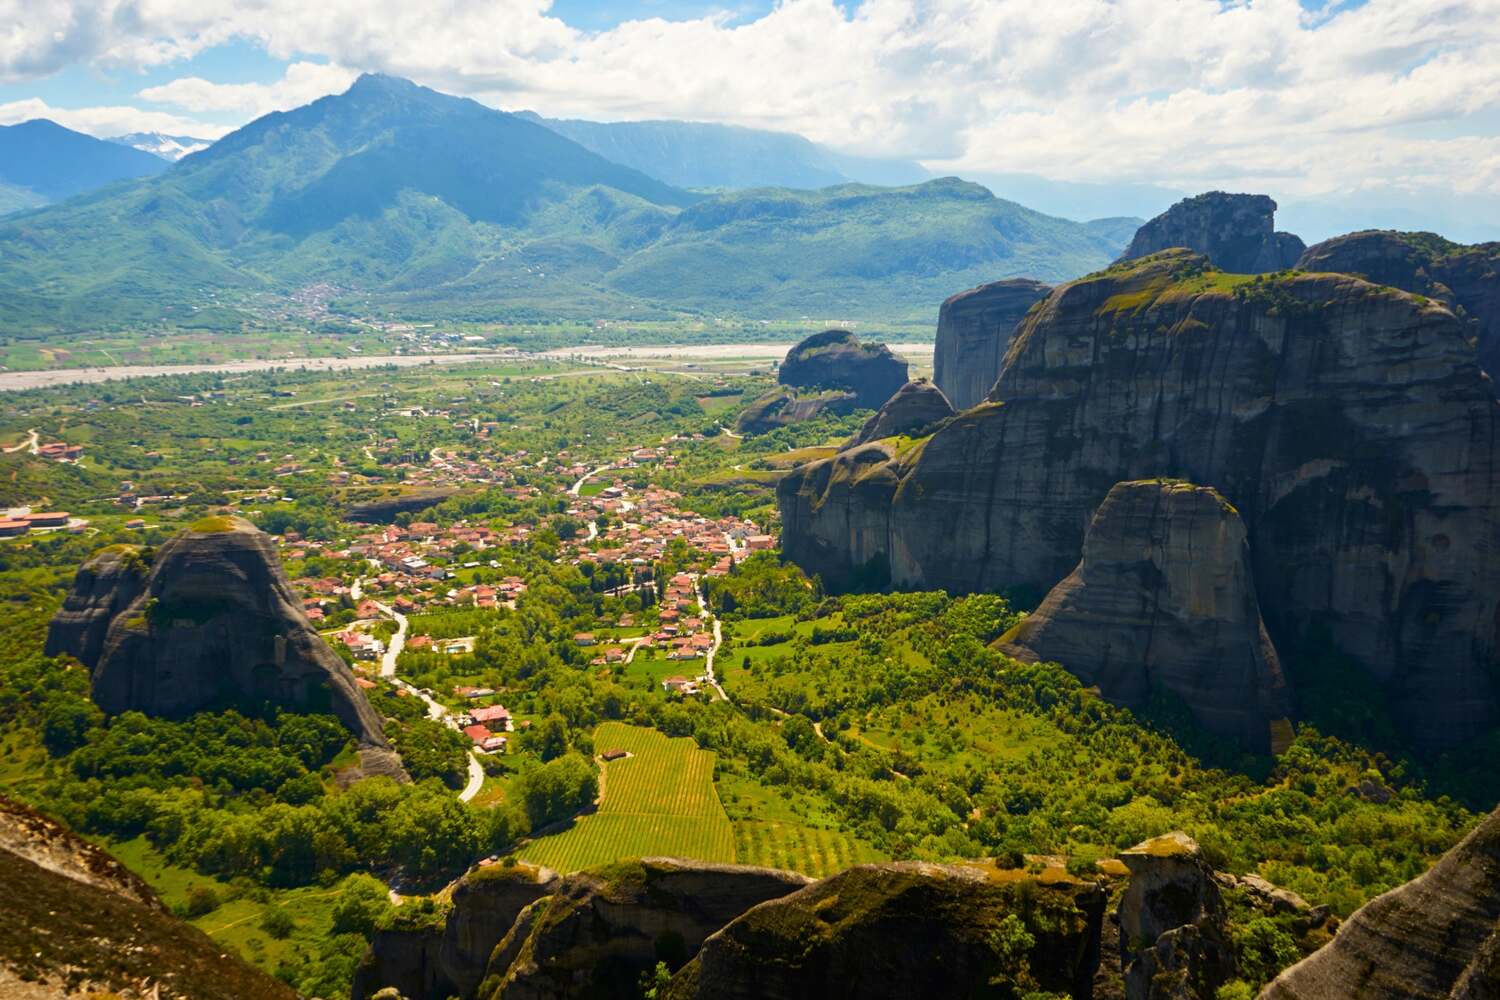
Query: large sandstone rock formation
{"points": [[1435, 938], [602, 928], [211, 621], [973, 333], [1466, 279], [78, 923], [1164, 597], [1173, 937], [781, 407], [1236, 232], [1347, 422], [450, 962], [916, 406], [906, 930], [835, 359]]}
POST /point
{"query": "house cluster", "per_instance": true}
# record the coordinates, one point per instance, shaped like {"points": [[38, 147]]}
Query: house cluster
{"points": [[60, 451], [21, 524], [643, 524], [483, 727]]}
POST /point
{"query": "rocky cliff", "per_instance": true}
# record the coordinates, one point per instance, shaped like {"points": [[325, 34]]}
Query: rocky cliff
{"points": [[1466, 279], [212, 621], [1173, 937], [1164, 597], [906, 930], [781, 407], [1347, 422], [451, 962], [973, 333], [835, 359], [1434, 938], [602, 928], [916, 407], [77, 923], [1236, 232]]}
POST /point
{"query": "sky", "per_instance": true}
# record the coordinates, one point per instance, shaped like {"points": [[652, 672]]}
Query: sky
{"points": [[1317, 99]]}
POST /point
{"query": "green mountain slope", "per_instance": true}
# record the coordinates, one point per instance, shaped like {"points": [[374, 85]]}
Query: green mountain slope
{"points": [[410, 202]]}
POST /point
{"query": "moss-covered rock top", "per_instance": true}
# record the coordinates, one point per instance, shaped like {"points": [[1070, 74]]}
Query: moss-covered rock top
{"points": [[216, 524]]}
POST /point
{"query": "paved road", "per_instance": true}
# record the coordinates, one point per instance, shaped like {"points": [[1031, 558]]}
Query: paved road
{"points": [[585, 478], [708, 666], [436, 711], [398, 641]]}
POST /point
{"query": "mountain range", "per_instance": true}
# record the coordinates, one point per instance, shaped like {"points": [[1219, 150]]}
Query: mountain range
{"points": [[406, 201], [705, 156], [42, 162], [169, 147]]}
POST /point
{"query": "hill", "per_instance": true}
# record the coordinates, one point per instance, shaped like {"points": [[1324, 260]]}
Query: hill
{"points": [[410, 202], [45, 162]]}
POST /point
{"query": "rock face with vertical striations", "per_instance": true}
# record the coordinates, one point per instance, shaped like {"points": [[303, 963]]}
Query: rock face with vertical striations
{"points": [[1164, 597], [917, 406], [973, 333], [1347, 422], [439, 963], [1435, 938], [1236, 232], [1466, 279], [212, 621], [906, 930], [835, 359], [602, 928]]}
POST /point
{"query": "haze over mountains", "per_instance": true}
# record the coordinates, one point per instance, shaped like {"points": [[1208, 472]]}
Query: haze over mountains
{"points": [[410, 201], [41, 162]]}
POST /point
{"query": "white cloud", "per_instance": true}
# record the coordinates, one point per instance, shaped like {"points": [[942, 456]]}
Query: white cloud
{"points": [[104, 122], [1186, 93], [303, 82]]}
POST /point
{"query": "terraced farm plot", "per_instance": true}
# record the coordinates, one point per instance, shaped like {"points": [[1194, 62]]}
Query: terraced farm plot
{"points": [[814, 852], [658, 801]]}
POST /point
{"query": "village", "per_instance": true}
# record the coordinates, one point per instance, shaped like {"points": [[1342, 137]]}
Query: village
{"points": [[424, 567]]}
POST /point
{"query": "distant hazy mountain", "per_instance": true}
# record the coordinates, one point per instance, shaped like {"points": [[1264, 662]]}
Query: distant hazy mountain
{"points": [[415, 202], [169, 147], [40, 162], [712, 157]]}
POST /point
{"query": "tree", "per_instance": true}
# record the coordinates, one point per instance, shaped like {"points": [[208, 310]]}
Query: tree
{"points": [[559, 789], [278, 923], [550, 741], [362, 901]]}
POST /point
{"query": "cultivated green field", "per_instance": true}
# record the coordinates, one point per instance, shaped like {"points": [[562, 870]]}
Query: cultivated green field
{"points": [[818, 853], [659, 801]]}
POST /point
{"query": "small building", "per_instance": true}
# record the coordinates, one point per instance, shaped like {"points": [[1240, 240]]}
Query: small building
{"points": [[477, 734], [47, 519], [496, 715], [760, 543], [583, 639], [681, 685], [10, 529], [614, 754]]}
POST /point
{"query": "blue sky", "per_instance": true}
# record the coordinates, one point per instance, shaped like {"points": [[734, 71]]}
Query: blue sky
{"points": [[1371, 100]]}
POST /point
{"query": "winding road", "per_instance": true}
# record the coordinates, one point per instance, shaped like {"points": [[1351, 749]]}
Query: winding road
{"points": [[31, 444], [586, 477], [436, 711]]}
